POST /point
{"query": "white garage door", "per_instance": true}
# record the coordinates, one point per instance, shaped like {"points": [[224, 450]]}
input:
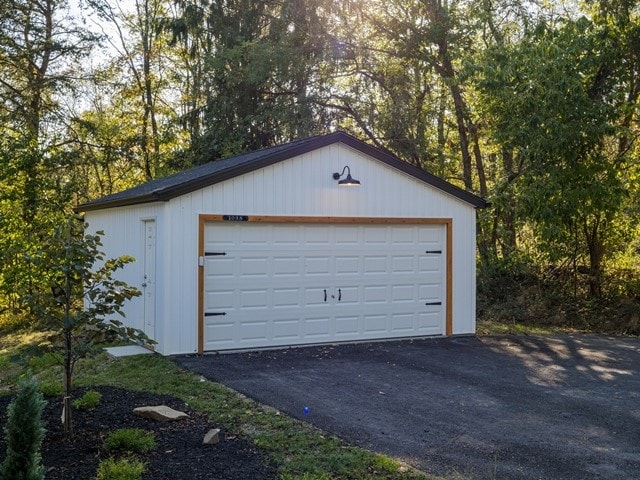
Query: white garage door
{"points": [[291, 284]]}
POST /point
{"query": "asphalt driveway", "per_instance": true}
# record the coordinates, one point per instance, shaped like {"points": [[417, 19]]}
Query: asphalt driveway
{"points": [[562, 407]]}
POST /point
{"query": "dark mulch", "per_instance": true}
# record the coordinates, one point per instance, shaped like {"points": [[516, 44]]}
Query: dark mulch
{"points": [[179, 453]]}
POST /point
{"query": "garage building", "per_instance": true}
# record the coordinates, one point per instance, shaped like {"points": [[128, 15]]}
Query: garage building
{"points": [[322, 240]]}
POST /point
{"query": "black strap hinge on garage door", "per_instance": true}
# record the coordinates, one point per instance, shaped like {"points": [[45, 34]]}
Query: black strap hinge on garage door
{"points": [[433, 303], [214, 254], [214, 314], [433, 251]]}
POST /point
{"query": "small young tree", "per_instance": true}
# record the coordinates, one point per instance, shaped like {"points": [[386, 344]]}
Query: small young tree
{"points": [[24, 433], [83, 300]]}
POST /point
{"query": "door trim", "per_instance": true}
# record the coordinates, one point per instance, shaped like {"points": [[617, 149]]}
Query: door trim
{"points": [[206, 218], [146, 267]]}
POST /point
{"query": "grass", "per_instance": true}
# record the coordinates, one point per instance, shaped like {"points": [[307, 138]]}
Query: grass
{"points": [[495, 327], [15, 349], [299, 450]]}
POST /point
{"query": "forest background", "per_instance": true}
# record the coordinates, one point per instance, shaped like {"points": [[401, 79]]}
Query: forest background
{"points": [[532, 105]]}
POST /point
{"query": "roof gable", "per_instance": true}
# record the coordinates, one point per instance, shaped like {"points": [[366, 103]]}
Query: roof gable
{"points": [[164, 189]]}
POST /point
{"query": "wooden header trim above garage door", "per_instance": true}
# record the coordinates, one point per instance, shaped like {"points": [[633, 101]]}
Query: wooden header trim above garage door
{"points": [[355, 220], [204, 218]]}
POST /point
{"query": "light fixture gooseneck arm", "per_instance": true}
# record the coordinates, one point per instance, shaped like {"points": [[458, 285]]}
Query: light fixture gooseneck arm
{"points": [[337, 175]]}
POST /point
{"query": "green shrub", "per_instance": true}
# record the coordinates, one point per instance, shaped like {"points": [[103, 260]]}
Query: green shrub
{"points": [[51, 389], [125, 469], [133, 440], [24, 433], [90, 399]]}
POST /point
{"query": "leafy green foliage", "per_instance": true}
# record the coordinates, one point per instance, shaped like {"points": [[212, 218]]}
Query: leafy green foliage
{"points": [[24, 433], [555, 99], [83, 296], [134, 440], [45, 360], [535, 107], [52, 389], [258, 72], [123, 469], [89, 399]]}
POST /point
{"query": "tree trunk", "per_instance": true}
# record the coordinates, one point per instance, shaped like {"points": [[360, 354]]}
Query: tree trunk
{"points": [[596, 252], [459, 107], [68, 366], [68, 352], [442, 108], [509, 238], [36, 79]]}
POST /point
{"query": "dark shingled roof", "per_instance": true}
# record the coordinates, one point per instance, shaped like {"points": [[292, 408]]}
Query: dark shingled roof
{"points": [[164, 189]]}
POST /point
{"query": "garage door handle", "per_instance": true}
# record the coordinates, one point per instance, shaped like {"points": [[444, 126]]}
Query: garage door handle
{"points": [[339, 294], [325, 294], [433, 303]]}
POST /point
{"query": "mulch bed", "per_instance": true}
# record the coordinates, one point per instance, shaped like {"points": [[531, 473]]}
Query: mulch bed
{"points": [[179, 452]]}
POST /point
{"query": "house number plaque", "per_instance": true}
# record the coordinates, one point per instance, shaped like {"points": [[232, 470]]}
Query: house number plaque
{"points": [[235, 218]]}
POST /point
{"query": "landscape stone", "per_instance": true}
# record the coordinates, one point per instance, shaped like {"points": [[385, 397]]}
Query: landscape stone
{"points": [[161, 413], [212, 437]]}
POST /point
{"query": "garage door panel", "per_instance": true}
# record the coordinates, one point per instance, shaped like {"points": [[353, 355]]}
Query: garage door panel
{"points": [[347, 326], [347, 265], [430, 263], [254, 266], [221, 299], [224, 267], [403, 293], [315, 296], [272, 290], [317, 328], [252, 299], [374, 324], [402, 323], [347, 295], [317, 235], [286, 236], [375, 235], [346, 236], [252, 331], [375, 294], [318, 265], [429, 236], [285, 266], [286, 329], [403, 236], [403, 263], [374, 264], [429, 323], [222, 331], [254, 236], [430, 292], [286, 297]]}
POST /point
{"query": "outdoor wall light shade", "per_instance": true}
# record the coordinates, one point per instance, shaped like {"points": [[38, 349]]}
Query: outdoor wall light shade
{"points": [[349, 181]]}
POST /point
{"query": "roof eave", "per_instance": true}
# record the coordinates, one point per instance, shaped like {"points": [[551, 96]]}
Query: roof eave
{"points": [[168, 193], [416, 172], [125, 202], [220, 176]]}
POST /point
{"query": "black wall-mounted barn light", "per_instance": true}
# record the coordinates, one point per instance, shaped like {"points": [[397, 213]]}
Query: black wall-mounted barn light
{"points": [[348, 181]]}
